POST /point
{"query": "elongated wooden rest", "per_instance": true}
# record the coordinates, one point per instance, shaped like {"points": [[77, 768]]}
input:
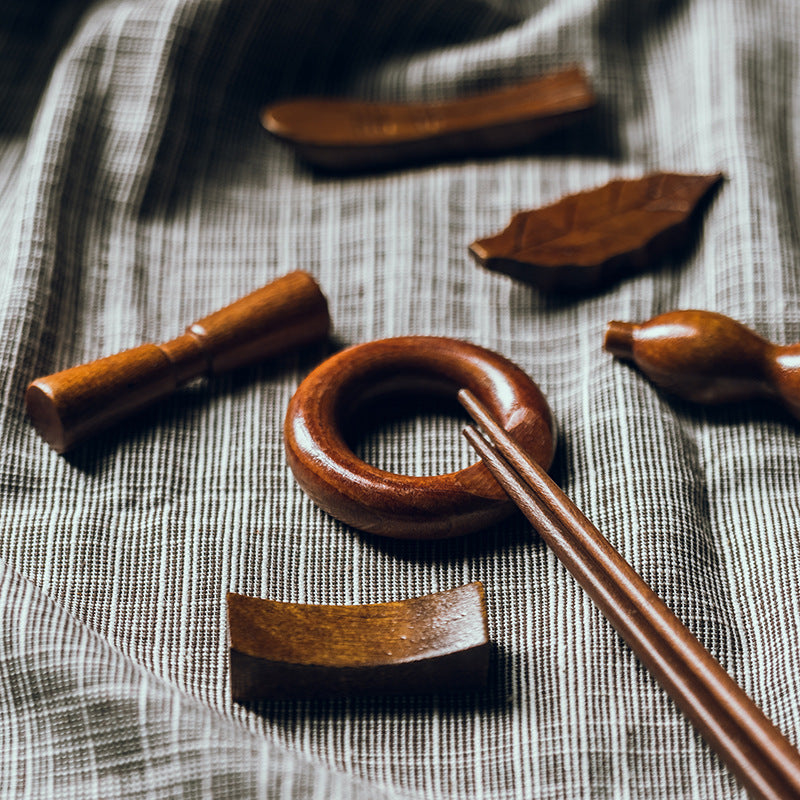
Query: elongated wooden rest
{"points": [[755, 750], [707, 357], [435, 643], [418, 507], [81, 401], [350, 134]]}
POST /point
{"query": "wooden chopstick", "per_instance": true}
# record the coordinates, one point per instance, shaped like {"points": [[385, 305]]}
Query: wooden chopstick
{"points": [[754, 749]]}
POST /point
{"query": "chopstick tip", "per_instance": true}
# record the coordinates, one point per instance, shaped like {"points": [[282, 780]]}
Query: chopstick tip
{"points": [[476, 440], [468, 401]]}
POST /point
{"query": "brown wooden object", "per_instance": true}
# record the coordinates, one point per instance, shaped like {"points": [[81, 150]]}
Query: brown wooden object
{"points": [[79, 402], [381, 502], [595, 237], [707, 357], [341, 134], [436, 643], [755, 750]]}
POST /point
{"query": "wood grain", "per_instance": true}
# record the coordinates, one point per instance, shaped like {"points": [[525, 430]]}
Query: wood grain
{"points": [[706, 357], [373, 500], [69, 406], [435, 643], [593, 238], [763, 759], [344, 134]]}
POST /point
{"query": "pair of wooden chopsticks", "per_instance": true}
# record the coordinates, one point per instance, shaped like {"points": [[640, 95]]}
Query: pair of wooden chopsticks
{"points": [[765, 761]]}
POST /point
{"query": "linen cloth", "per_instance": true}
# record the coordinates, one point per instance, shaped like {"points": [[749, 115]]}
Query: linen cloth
{"points": [[139, 193]]}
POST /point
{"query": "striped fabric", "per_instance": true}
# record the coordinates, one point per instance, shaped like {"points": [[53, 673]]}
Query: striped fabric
{"points": [[139, 192]]}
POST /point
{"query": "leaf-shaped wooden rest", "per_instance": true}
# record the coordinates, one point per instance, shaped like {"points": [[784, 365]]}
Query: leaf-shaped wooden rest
{"points": [[342, 134], [593, 238], [439, 642]]}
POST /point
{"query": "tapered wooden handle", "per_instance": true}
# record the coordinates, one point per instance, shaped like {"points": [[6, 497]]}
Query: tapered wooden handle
{"points": [[707, 357], [71, 405]]}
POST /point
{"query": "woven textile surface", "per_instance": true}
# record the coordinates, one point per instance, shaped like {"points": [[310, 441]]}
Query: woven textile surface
{"points": [[139, 192]]}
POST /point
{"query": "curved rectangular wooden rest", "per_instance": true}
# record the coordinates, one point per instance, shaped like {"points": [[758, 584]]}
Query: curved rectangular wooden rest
{"points": [[438, 642]]}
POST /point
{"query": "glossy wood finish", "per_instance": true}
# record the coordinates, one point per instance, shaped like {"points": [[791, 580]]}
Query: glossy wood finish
{"points": [[354, 135], [755, 750], [380, 502], [79, 402], [593, 238], [436, 643], [707, 357]]}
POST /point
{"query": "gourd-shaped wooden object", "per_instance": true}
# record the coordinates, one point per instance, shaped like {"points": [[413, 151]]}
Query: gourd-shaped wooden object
{"points": [[78, 402], [707, 357]]}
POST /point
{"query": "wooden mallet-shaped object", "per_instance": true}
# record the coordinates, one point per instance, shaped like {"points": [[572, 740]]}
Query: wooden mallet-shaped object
{"points": [[76, 403]]}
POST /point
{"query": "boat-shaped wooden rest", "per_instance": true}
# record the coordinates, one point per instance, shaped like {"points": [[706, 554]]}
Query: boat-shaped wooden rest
{"points": [[434, 643], [343, 134]]}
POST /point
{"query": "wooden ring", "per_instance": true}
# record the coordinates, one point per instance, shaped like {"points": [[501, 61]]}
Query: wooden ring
{"points": [[380, 502]]}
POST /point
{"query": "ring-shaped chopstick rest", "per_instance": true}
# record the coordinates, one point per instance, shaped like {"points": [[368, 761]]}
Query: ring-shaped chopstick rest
{"points": [[403, 506]]}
